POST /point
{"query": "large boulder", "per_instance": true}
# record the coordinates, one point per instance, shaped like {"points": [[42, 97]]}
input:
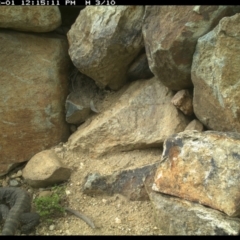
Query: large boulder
{"points": [[34, 81], [143, 116], [170, 35], [104, 40], [30, 18], [203, 167], [175, 216], [216, 74]]}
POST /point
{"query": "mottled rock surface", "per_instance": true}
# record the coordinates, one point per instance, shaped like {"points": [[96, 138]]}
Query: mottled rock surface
{"points": [[142, 117], [202, 167], [30, 18], [170, 36], [45, 169], [216, 74], [175, 216], [33, 88], [104, 40]]}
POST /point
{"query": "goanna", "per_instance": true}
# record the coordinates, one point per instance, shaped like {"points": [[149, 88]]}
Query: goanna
{"points": [[15, 210]]}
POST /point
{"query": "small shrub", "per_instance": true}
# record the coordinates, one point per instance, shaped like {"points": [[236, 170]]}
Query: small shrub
{"points": [[49, 207]]}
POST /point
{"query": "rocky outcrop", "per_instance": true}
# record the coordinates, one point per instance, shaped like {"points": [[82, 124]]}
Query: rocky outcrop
{"points": [[215, 75], [202, 167], [30, 18], [175, 216], [170, 36], [45, 169], [143, 116], [33, 89], [104, 40]]}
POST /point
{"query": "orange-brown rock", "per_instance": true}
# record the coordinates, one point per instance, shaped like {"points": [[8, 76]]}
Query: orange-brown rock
{"points": [[33, 88], [202, 167]]}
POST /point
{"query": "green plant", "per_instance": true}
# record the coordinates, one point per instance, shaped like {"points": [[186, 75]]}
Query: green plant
{"points": [[49, 206]]}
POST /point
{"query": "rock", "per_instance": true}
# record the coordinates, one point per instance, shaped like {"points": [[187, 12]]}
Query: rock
{"points": [[195, 125], [175, 216], [104, 40], [170, 35], [202, 167], [130, 183], [139, 69], [215, 75], [34, 80], [30, 18], [183, 101], [80, 102], [141, 117], [44, 194], [44, 169], [14, 183]]}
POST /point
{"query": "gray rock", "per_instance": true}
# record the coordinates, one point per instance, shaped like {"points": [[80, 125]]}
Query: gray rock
{"points": [[130, 183], [175, 216], [216, 74]]}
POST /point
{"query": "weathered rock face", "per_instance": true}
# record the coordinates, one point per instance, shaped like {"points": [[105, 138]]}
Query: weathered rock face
{"points": [[175, 216], [104, 40], [215, 75], [30, 18], [45, 169], [142, 117], [170, 35], [202, 167], [33, 88]]}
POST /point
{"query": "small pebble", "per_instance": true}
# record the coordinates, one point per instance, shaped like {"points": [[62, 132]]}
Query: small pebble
{"points": [[68, 192], [14, 183], [19, 173], [51, 227], [117, 220]]}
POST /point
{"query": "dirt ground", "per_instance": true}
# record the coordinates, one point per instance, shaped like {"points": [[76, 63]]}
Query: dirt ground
{"points": [[112, 215]]}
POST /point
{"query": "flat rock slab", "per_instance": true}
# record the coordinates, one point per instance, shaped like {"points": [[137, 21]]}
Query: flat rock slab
{"points": [[175, 216], [130, 183], [202, 167], [142, 117]]}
